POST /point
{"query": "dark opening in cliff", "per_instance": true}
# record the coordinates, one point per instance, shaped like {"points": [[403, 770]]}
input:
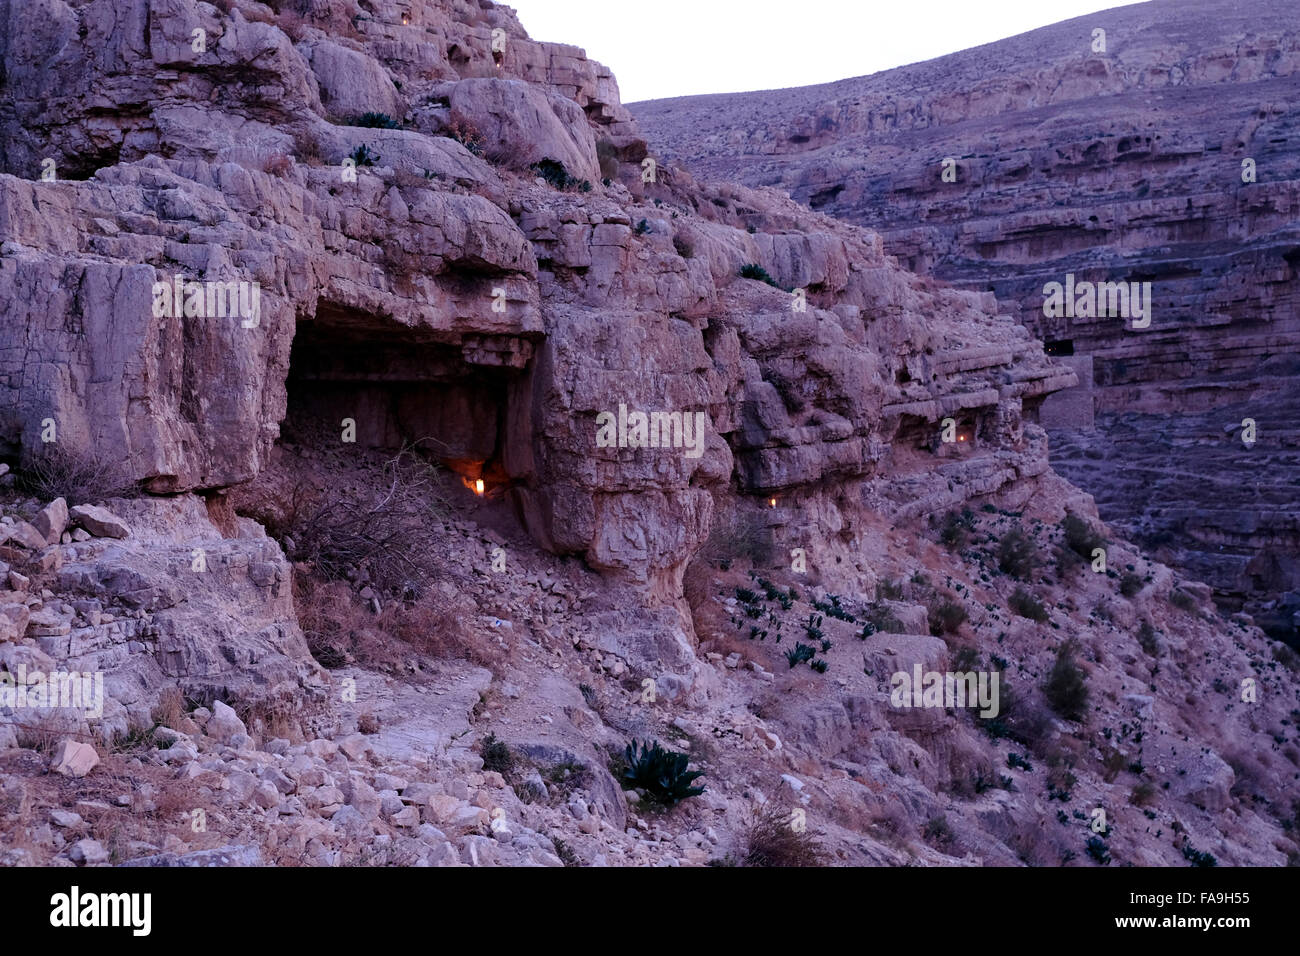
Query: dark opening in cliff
{"points": [[1058, 347], [380, 385]]}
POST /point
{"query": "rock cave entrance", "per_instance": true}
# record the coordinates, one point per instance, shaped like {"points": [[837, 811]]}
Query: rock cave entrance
{"points": [[401, 387]]}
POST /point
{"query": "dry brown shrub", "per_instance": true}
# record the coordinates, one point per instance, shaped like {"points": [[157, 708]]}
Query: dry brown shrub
{"points": [[404, 178], [274, 716], [341, 629], [462, 129], [307, 148], [177, 797], [293, 25], [438, 631], [278, 164], [1143, 795], [366, 534], [737, 536], [170, 709], [56, 471], [890, 822], [332, 620], [772, 841], [510, 155]]}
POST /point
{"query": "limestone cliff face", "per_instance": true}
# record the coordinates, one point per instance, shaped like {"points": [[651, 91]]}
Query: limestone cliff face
{"points": [[275, 243], [1122, 165], [1167, 159], [424, 281]]}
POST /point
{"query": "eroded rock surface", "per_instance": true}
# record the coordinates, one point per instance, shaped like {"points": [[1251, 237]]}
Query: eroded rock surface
{"points": [[1168, 158], [867, 440]]}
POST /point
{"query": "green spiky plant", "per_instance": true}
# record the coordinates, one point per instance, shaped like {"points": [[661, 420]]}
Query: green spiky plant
{"points": [[662, 774], [798, 654]]}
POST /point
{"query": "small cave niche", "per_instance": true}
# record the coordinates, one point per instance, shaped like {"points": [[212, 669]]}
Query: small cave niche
{"points": [[824, 197], [1059, 347], [403, 388], [915, 434]]}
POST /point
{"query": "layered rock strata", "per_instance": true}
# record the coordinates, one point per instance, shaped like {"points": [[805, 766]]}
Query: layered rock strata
{"points": [[1158, 156]]}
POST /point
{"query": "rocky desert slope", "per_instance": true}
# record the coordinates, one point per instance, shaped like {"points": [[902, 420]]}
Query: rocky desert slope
{"points": [[325, 329], [1162, 152]]}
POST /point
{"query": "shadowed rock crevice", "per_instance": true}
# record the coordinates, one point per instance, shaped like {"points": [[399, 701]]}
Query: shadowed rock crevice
{"points": [[387, 387]]}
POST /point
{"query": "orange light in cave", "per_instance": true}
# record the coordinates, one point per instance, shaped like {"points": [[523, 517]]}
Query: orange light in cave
{"points": [[961, 437], [771, 502], [479, 486]]}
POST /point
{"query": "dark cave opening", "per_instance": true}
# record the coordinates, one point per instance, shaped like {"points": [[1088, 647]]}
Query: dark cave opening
{"points": [[384, 386]]}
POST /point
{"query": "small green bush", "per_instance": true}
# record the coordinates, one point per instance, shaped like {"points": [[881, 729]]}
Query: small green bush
{"points": [[1197, 858], [1026, 605], [956, 528], [557, 177], [376, 121], [362, 156], [881, 618], [1098, 850], [887, 590], [757, 273], [1182, 600], [1017, 555], [1068, 563], [946, 617], [496, 755], [1016, 761], [1148, 640], [1066, 687], [1080, 537], [798, 654], [1130, 584], [662, 774]]}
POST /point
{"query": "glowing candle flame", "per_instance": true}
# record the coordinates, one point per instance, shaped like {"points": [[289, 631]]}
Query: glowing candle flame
{"points": [[771, 502], [479, 486]]}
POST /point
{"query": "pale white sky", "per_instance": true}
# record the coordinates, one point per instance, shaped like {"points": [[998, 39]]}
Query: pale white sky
{"points": [[662, 48]]}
